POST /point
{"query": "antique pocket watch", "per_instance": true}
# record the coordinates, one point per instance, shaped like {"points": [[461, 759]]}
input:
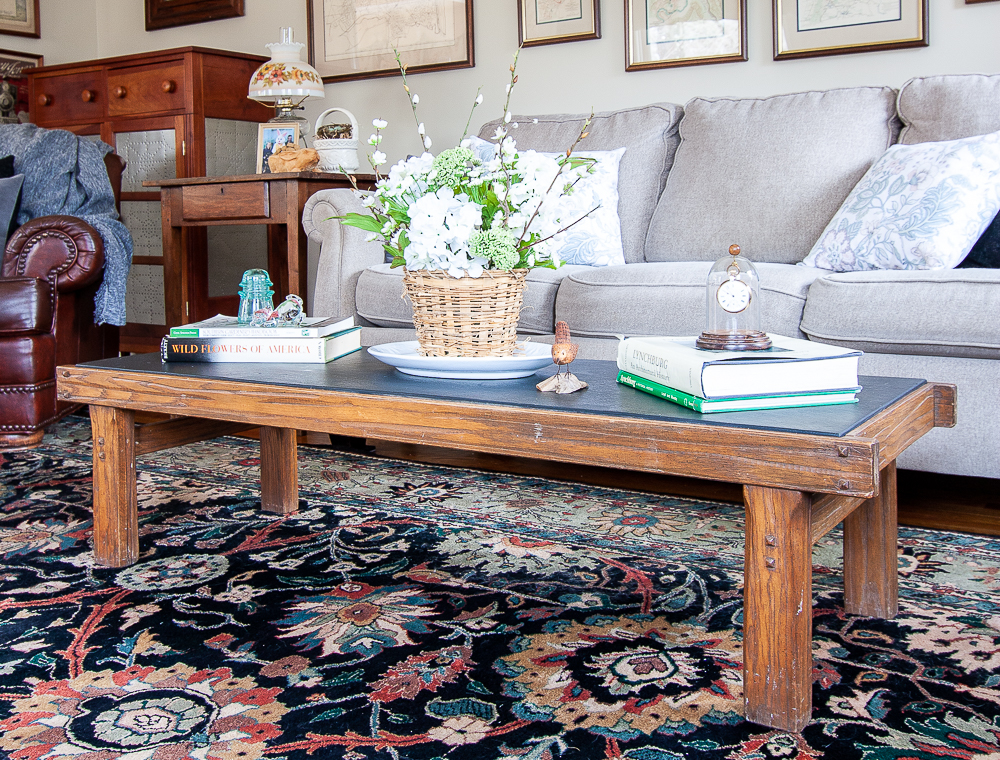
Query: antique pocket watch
{"points": [[733, 306]]}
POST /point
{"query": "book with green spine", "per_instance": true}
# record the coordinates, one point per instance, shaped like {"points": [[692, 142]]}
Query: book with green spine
{"points": [[736, 403], [222, 326], [790, 366]]}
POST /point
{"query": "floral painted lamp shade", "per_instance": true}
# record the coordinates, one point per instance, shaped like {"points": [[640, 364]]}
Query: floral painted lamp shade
{"points": [[286, 81]]}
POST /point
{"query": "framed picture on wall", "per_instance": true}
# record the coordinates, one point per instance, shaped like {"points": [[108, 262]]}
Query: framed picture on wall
{"points": [[163, 14], [544, 22], [19, 17], [270, 136], [14, 105], [356, 39], [663, 33], [809, 28]]}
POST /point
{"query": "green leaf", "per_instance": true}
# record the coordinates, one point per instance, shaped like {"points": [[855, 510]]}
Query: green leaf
{"points": [[361, 221]]}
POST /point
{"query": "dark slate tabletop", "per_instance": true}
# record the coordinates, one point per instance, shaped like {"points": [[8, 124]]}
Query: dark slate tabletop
{"points": [[360, 372]]}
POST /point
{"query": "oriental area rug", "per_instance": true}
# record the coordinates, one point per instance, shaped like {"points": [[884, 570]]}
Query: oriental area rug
{"points": [[415, 611]]}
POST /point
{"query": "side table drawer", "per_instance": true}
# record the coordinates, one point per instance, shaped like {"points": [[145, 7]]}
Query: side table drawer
{"points": [[238, 200], [69, 98]]}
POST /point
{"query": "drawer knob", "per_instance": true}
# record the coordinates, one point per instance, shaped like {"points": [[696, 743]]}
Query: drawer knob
{"points": [[88, 96], [169, 85], [44, 100], [120, 92]]}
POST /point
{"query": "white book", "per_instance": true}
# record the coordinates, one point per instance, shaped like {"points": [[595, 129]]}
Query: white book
{"points": [[223, 326], [791, 365], [291, 350]]}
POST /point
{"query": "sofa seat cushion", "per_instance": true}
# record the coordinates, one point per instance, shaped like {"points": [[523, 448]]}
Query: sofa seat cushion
{"points": [[380, 298], [767, 173], [949, 107], [649, 136], [932, 313], [669, 299]]}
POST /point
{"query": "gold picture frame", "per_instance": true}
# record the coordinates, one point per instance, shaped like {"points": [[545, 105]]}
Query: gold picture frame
{"points": [[811, 28], [357, 39], [546, 22], [662, 33], [21, 19], [270, 134]]}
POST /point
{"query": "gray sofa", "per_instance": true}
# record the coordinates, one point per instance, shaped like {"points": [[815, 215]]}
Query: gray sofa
{"points": [[768, 174]]}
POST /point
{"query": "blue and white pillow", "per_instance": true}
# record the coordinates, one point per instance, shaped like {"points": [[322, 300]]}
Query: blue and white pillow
{"points": [[596, 240], [919, 206]]}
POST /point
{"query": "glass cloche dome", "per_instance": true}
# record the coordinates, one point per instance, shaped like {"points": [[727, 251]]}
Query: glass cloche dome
{"points": [[732, 296]]}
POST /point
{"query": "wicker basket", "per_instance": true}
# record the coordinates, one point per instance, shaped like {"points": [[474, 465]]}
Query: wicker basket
{"points": [[467, 316]]}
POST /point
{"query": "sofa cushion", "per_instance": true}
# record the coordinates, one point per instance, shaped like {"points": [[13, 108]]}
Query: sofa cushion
{"points": [[919, 207], [649, 136], [949, 107], [940, 313], [669, 299], [380, 298], [767, 173]]}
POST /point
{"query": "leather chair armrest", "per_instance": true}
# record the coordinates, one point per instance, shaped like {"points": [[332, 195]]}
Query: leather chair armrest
{"points": [[25, 306], [62, 249]]}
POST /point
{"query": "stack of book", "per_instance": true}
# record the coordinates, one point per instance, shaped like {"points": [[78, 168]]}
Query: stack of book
{"points": [[223, 339], [791, 373]]}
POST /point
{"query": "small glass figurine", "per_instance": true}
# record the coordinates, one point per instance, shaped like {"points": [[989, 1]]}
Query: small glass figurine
{"points": [[255, 295]]}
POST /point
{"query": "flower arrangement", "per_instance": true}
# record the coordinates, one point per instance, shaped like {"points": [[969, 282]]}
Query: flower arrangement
{"points": [[463, 213]]}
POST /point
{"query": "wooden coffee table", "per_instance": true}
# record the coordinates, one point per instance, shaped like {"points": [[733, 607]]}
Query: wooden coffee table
{"points": [[803, 470]]}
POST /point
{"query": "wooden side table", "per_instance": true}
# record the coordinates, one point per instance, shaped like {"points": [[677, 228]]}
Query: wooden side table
{"points": [[272, 199]]}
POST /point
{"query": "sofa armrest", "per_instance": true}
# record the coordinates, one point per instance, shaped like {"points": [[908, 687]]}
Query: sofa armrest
{"points": [[25, 306], [345, 251], [61, 249]]}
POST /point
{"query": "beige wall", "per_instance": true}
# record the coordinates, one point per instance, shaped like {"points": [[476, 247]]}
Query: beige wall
{"points": [[554, 78]]}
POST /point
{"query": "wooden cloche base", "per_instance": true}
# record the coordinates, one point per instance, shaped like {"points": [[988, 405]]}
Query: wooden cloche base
{"points": [[750, 340]]}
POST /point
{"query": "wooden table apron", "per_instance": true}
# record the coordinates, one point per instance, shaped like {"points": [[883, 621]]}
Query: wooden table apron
{"points": [[796, 486]]}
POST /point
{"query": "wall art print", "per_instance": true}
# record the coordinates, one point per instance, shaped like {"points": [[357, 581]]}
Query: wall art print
{"points": [[808, 28], [19, 17], [356, 39], [544, 22], [662, 33], [163, 14]]}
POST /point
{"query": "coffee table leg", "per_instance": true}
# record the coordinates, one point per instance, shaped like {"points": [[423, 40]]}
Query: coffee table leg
{"points": [[279, 470], [116, 515], [777, 608], [871, 569]]}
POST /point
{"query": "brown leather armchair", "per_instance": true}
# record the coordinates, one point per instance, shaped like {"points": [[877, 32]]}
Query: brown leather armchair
{"points": [[52, 268]]}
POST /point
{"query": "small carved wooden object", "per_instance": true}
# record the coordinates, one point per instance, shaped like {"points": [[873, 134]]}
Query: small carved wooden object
{"points": [[285, 159], [563, 353]]}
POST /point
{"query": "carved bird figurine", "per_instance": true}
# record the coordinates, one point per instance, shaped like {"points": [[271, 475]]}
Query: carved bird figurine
{"points": [[563, 352]]}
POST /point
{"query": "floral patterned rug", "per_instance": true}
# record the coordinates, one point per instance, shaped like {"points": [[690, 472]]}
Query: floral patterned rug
{"points": [[412, 611]]}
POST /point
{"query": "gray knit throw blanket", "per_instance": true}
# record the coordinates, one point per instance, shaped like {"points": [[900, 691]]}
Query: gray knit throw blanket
{"points": [[65, 174]]}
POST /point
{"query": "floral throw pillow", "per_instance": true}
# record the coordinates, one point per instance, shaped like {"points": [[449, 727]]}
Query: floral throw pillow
{"points": [[919, 206]]}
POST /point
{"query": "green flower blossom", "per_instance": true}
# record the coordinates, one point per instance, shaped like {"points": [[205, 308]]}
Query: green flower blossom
{"points": [[496, 246], [452, 166]]}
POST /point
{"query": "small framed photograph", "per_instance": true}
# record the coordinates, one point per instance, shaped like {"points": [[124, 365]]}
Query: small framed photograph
{"points": [[356, 39], [544, 22], [164, 14], [19, 17], [664, 33], [274, 135], [810, 28]]}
